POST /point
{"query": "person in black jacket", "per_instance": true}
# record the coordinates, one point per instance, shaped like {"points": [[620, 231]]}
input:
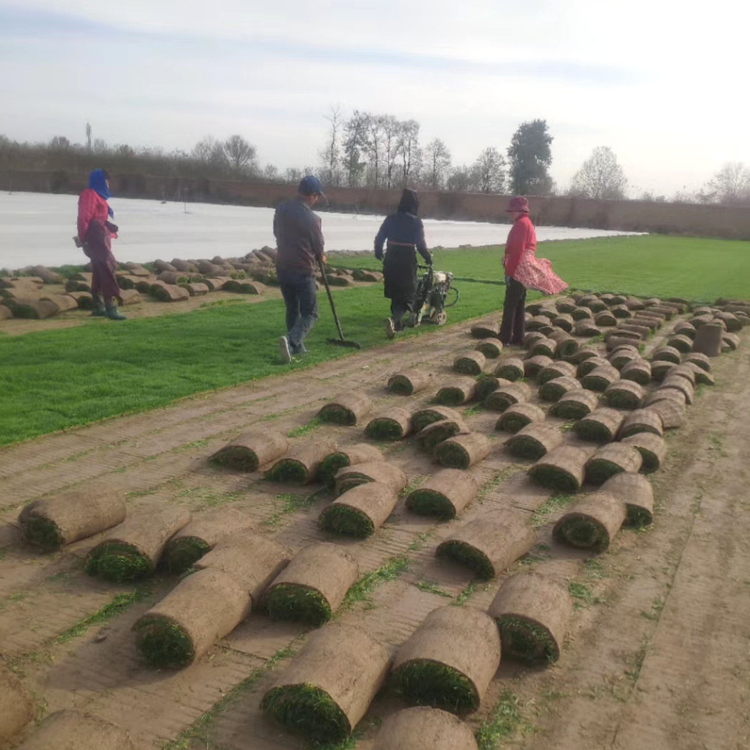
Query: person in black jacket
{"points": [[405, 235]]}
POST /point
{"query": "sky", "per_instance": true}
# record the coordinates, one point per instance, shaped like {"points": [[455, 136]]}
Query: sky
{"points": [[662, 83]]}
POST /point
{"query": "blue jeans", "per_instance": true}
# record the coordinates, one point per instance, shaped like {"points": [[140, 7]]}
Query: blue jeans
{"points": [[301, 300]]}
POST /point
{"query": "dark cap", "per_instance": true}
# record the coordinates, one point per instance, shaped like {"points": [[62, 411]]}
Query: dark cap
{"points": [[311, 185]]}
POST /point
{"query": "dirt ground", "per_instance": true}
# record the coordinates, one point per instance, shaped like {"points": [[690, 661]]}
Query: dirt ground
{"points": [[657, 656]]}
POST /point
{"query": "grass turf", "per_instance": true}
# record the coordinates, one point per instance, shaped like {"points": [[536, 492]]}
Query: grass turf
{"points": [[583, 533], [429, 683], [330, 465], [337, 414], [346, 521], [288, 470], [526, 640], [163, 643], [384, 429], [469, 556], [289, 601], [554, 478], [181, 554], [426, 502], [43, 532], [236, 457], [117, 562], [452, 456]]}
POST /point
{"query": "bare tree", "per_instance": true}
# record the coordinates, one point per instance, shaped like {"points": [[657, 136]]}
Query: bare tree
{"points": [[437, 164], [353, 147], [373, 146], [461, 180], [330, 154], [730, 185], [408, 149], [210, 152], [240, 154], [489, 171], [391, 129], [271, 173], [60, 143], [600, 177]]}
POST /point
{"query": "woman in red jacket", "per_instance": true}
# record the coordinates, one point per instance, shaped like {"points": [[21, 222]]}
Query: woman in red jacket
{"points": [[95, 233], [523, 271]]}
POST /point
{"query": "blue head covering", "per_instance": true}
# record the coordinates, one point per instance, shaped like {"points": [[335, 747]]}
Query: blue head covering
{"points": [[98, 183]]}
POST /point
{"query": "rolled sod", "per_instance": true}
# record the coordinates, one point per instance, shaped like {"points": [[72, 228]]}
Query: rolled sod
{"points": [[532, 613], [444, 495], [615, 339], [671, 412], [534, 441], [638, 370], [75, 730], [516, 417], [643, 332], [393, 424], [600, 378], [534, 365], [502, 398], [491, 348], [642, 420], [666, 394], [667, 353], [612, 459], [701, 376], [458, 392], [545, 347], [489, 544], [422, 417], [538, 323], [565, 305], [731, 321], [463, 451], [589, 365], [605, 319], [252, 560], [684, 329], [591, 523], [132, 550], [556, 370], [324, 693], [487, 384], [300, 465], [653, 450], [185, 624], [554, 390], [487, 329], [623, 355], [311, 588], [347, 408], [625, 394], [638, 495], [53, 522], [437, 432], [708, 340], [424, 728], [701, 360], [601, 426], [359, 453], [582, 313], [621, 312], [531, 338], [18, 707], [586, 327], [575, 404], [652, 324], [470, 363], [377, 471], [252, 450], [633, 303], [566, 345], [449, 661], [686, 371], [547, 311], [675, 382], [562, 469], [200, 536], [660, 368], [683, 344], [360, 511], [511, 369], [565, 322], [731, 341]]}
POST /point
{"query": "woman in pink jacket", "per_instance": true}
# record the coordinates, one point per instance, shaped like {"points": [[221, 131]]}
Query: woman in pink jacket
{"points": [[523, 271]]}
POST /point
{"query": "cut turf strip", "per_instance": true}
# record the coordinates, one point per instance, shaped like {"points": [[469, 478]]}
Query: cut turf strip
{"points": [[612, 459], [638, 495], [490, 348], [601, 426], [463, 451], [347, 408], [409, 382], [75, 730], [680, 384], [444, 495], [252, 450], [544, 347], [490, 544], [359, 453], [313, 586], [487, 329], [377, 471], [565, 344], [424, 728], [621, 356], [556, 370], [437, 432], [625, 394], [686, 371], [132, 550], [511, 369], [653, 450], [575, 404], [534, 441], [450, 660], [470, 363], [699, 359], [300, 465], [487, 384], [423, 417], [642, 420], [18, 706], [502, 398], [532, 613], [554, 390], [591, 523], [668, 354], [458, 392], [534, 365], [589, 365], [562, 469], [329, 686], [638, 370], [360, 511], [393, 424], [183, 626], [564, 322], [516, 417], [600, 378], [53, 522], [671, 412]]}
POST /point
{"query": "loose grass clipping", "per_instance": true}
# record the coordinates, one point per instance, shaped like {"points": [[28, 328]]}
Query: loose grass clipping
{"points": [[601, 426], [424, 728], [359, 453], [532, 613], [53, 522], [516, 417], [450, 660], [313, 586], [562, 469], [324, 693], [460, 391], [423, 417], [575, 404], [300, 465], [393, 424], [360, 511], [642, 420], [470, 363], [638, 370], [556, 370], [444, 495], [183, 626], [600, 379], [491, 348], [554, 390], [463, 451], [489, 544], [502, 398], [487, 329], [347, 408], [132, 550], [534, 365], [511, 369], [653, 450], [625, 394], [377, 471], [437, 432], [75, 730], [252, 450], [18, 706], [591, 523], [534, 441], [612, 459], [589, 365], [638, 495]]}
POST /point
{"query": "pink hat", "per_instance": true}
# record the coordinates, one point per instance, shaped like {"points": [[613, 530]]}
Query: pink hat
{"points": [[519, 203]]}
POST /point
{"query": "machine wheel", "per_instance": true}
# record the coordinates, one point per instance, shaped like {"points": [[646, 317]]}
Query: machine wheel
{"points": [[441, 318]]}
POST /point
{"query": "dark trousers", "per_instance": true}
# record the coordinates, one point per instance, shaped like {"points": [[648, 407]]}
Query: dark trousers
{"points": [[399, 308], [301, 300], [513, 328]]}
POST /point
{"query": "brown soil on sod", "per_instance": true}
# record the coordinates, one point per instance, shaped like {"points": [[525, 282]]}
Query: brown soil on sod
{"points": [[625, 394], [600, 379], [360, 511], [424, 728], [534, 441], [502, 398], [487, 329], [75, 730], [487, 384], [444, 495], [511, 368], [575, 404], [589, 365], [489, 544], [668, 353], [683, 344], [359, 453], [686, 371], [409, 382], [612, 459], [463, 451], [616, 338], [532, 613], [17, 705], [517, 416], [556, 370], [601, 426], [300, 465], [252, 450], [638, 370], [566, 345], [470, 363], [423, 417], [701, 360], [680, 384], [554, 390], [642, 420], [586, 327], [653, 450], [636, 492], [561, 470], [660, 368], [461, 639], [565, 322], [347, 408], [671, 412], [437, 432], [544, 347], [591, 523], [535, 364], [376, 471], [457, 392], [622, 355]]}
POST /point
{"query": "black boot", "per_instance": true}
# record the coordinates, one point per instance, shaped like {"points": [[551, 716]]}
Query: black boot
{"points": [[98, 310], [112, 312]]}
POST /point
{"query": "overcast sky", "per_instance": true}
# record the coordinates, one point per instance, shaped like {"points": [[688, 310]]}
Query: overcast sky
{"points": [[663, 83]]}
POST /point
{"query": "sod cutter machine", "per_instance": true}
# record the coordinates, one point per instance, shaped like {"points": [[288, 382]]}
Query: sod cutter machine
{"points": [[435, 294]]}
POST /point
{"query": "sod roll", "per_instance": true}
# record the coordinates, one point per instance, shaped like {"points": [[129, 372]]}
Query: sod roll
{"points": [[487, 384], [701, 360], [459, 391], [470, 363], [422, 417], [554, 390], [347, 408], [463, 451], [534, 365], [621, 312], [204, 607], [642, 331], [449, 661], [132, 550], [53, 522], [393, 424], [600, 378], [589, 365], [667, 353], [641, 420], [701, 376], [538, 323], [531, 338], [620, 357], [324, 693], [730, 342], [534, 441], [671, 412], [252, 450], [582, 313], [311, 588], [660, 368], [17, 705], [360, 511], [532, 613], [489, 544], [437, 432], [675, 382], [359, 453], [562, 469], [601, 426], [518, 416], [638, 495], [424, 728], [511, 369], [575, 404], [544, 347], [653, 450], [605, 319], [565, 305], [685, 329], [75, 730], [200, 536], [502, 398], [444, 496], [731, 321], [591, 523], [686, 371], [376, 471], [612, 459], [300, 465], [624, 394], [616, 337], [586, 327], [637, 370], [565, 322], [683, 344], [556, 370], [566, 344], [490, 348], [487, 329], [666, 394]]}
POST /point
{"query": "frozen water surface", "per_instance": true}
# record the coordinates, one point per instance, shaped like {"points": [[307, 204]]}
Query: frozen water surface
{"points": [[37, 228]]}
